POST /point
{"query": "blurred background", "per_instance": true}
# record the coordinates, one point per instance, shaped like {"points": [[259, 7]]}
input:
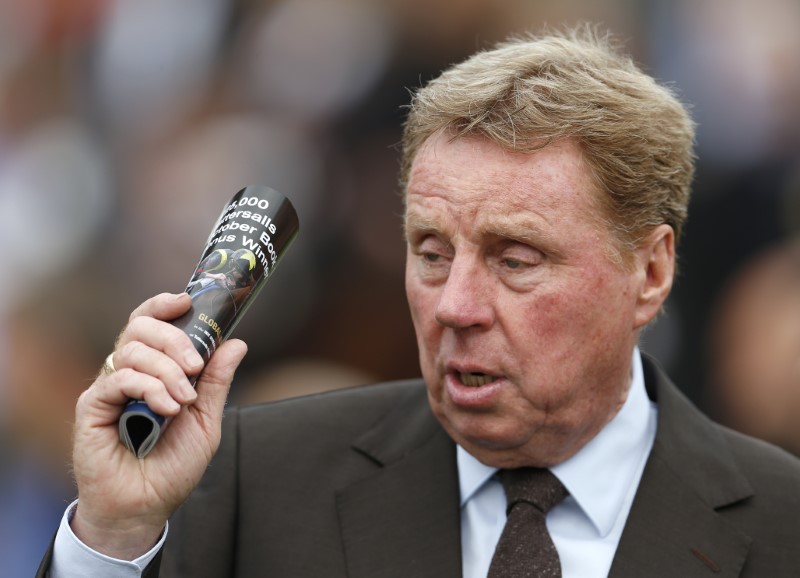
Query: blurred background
{"points": [[125, 126]]}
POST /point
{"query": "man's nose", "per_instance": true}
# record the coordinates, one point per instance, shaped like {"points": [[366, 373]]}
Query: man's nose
{"points": [[467, 297]]}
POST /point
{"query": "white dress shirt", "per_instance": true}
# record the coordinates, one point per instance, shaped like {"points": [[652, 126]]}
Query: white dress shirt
{"points": [[601, 478], [74, 559]]}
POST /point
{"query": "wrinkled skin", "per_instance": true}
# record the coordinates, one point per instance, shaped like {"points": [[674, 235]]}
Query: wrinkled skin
{"points": [[524, 323], [124, 501]]}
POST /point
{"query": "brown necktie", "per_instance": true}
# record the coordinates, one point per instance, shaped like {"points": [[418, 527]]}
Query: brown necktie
{"points": [[525, 549]]}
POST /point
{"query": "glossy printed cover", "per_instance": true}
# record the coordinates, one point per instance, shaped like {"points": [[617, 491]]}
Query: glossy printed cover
{"points": [[248, 240]]}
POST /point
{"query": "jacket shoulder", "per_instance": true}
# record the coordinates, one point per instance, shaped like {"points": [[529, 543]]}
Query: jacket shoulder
{"points": [[768, 468], [271, 488], [346, 411]]}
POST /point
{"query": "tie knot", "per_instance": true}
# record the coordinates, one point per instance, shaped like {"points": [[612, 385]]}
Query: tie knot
{"points": [[535, 486]]}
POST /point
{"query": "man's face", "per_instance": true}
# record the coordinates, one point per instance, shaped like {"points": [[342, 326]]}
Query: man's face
{"points": [[525, 326]]}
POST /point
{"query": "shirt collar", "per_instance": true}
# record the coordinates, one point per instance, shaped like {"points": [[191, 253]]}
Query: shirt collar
{"points": [[472, 474], [600, 475]]}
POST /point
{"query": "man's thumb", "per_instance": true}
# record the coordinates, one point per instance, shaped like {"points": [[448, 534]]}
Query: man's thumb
{"points": [[215, 381]]}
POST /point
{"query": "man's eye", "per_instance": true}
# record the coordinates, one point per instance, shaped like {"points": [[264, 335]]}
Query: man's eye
{"points": [[513, 263], [431, 257]]}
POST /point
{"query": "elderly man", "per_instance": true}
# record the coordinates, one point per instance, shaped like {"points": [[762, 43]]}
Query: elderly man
{"points": [[546, 185]]}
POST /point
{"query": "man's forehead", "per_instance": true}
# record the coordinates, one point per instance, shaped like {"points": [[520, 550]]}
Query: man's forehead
{"points": [[473, 166], [479, 224], [443, 156], [476, 189], [492, 211], [486, 213]]}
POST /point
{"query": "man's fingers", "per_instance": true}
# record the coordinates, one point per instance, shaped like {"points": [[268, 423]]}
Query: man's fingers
{"points": [[152, 376], [165, 306], [159, 336], [152, 361], [146, 360], [110, 393]]}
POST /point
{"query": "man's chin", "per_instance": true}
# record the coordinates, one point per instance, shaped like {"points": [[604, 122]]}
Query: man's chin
{"points": [[500, 445]]}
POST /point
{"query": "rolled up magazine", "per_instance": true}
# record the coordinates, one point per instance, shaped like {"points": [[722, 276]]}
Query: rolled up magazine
{"points": [[248, 240]]}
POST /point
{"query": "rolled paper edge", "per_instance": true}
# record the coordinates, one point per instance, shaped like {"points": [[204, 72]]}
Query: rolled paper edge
{"points": [[140, 427]]}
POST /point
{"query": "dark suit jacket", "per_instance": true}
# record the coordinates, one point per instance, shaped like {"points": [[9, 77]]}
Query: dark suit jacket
{"points": [[363, 483]]}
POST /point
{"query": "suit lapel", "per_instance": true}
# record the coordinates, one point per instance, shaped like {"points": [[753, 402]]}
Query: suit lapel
{"points": [[673, 528], [414, 497]]}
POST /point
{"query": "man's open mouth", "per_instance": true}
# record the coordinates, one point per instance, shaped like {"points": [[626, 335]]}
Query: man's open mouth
{"points": [[475, 379]]}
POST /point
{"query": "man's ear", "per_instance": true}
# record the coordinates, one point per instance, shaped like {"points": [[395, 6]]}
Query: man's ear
{"points": [[656, 260]]}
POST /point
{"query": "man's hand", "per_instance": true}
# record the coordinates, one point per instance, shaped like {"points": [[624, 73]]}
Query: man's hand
{"points": [[125, 502]]}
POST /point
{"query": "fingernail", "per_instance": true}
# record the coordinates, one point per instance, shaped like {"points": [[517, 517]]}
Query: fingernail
{"points": [[188, 391], [193, 359]]}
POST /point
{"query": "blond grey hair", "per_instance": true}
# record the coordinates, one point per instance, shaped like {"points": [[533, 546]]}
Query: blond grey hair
{"points": [[527, 92]]}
